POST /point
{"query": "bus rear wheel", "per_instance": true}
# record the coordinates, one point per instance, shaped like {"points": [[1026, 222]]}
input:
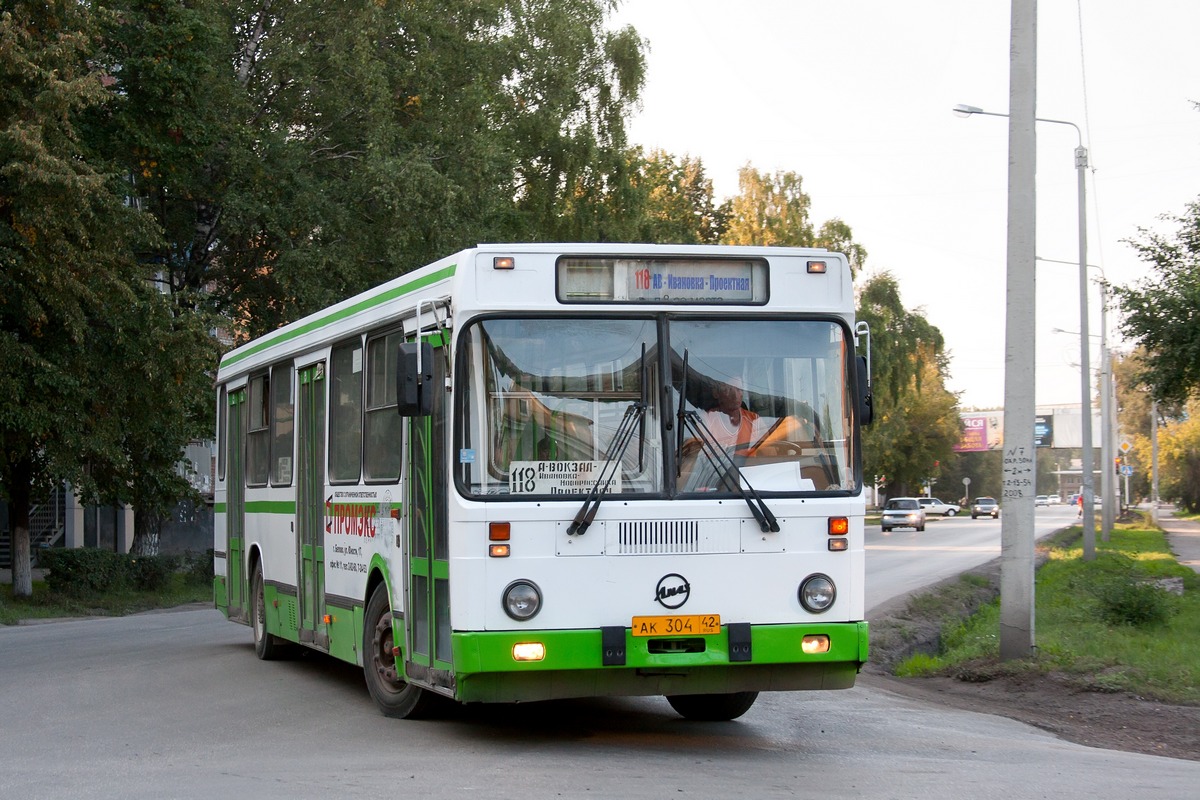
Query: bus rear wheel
{"points": [[394, 696], [712, 707], [267, 646]]}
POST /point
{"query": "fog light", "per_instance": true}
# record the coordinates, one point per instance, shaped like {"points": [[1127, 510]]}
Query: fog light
{"points": [[521, 600], [815, 643], [817, 593], [529, 651]]}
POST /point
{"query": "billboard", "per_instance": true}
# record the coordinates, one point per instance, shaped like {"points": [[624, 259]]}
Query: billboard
{"points": [[982, 430], [1043, 430], [1061, 428]]}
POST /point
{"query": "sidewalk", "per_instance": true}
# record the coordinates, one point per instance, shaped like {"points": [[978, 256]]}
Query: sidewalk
{"points": [[1183, 536]]}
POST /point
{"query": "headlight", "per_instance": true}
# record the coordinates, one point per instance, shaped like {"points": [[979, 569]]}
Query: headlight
{"points": [[817, 593], [522, 600]]}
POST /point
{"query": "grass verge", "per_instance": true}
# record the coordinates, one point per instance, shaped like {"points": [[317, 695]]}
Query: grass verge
{"points": [[49, 604], [1127, 621]]}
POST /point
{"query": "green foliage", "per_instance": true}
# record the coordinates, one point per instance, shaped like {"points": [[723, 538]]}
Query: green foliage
{"points": [[45, 603], [1124, 592], [83, 571], [1160, 311], [916, 419], [769, 210], [86, 572], [1132, 602], [197, 568], [1103, 622]]}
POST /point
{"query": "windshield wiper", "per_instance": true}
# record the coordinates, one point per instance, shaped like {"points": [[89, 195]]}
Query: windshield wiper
{"points": [[635, 418], [719, 458]]}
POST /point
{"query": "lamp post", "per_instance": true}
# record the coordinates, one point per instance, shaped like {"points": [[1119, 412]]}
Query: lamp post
{"points": [[1088, 478], [1108, 410]]}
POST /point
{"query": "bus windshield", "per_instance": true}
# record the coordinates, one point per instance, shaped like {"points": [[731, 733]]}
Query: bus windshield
{"points": [[545, 397]]}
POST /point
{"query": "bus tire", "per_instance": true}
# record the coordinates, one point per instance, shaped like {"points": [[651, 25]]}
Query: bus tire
{"points": [[267, 646], [712, 707], [394, 696]]}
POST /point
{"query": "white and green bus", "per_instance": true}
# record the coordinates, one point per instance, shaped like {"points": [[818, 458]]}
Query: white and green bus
{"points": [[536, 471]]}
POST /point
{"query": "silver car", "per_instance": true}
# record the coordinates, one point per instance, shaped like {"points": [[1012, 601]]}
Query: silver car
{"points": [[903, 512]]}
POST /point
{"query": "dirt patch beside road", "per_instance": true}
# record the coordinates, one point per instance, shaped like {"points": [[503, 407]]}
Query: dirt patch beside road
{"points": [[1068, 706]]}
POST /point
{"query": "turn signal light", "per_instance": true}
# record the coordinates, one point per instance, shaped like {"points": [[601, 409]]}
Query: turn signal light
{"points": [[839, 526], [499, 531]]}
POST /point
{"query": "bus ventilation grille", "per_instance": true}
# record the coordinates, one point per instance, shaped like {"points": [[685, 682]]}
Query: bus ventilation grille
{"points": [[668, 537]]}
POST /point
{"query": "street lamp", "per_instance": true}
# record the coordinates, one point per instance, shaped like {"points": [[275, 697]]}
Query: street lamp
{"points": [[1087, 488], [1108, 411]]}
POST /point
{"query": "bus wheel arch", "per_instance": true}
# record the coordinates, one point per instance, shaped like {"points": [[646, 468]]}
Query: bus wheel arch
{"points": [[394, 696]]}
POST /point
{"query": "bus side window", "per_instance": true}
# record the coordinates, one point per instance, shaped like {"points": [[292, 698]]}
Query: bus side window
{"points": [[282, 425], [222, 433], [345, 412], [258, 442], [382, 448]]}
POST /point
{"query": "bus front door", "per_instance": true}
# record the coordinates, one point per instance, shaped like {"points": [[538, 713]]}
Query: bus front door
{"points": [[310, 505], [429, 657], [235, 507]]}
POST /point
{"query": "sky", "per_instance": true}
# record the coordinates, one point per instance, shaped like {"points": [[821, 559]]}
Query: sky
{"points": [[856, 96]]}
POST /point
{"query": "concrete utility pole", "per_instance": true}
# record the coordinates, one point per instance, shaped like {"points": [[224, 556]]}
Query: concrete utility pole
{"points": [[1020, 463]]}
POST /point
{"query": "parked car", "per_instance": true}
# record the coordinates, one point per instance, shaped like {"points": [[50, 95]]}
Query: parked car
{"points": [[1055, 500], [934, 506], [903, 512], [1041, 500], [985, 507]]}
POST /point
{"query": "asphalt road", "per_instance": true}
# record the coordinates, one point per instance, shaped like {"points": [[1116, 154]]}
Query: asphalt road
{"points": [[175, 705]]}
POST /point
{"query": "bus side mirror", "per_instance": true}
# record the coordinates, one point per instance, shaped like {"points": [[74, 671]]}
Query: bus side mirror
{"points": [[414, 384], [866, 402]]}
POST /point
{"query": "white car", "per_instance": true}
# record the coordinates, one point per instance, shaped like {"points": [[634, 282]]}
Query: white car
{"points": [[902, 512], [934, 506]]}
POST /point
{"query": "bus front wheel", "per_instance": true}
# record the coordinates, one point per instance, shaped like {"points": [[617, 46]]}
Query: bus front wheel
{"points": [[394, 696], [712, 707]]}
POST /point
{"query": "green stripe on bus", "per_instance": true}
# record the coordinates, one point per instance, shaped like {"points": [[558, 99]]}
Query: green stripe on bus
{"points": [[271, 507], [329, 319], [218, 508]]}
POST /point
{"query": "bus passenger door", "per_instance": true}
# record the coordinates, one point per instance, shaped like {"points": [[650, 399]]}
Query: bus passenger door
{"points": [[310, 504], [235, 507], [428, 552]]}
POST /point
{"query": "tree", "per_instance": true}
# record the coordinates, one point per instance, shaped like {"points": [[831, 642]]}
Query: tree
{"points": [[671, 200], [1179, 457], [916, 418], [769, 210], [1162, 311], [67, 240]]}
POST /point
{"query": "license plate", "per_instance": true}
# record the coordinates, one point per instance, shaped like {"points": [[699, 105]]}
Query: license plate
{"points": [[677, 625]]}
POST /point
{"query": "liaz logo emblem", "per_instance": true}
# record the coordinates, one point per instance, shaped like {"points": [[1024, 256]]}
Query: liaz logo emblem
{"points": [[672, 591]]}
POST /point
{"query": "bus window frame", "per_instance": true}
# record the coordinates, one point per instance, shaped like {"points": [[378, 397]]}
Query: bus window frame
{"points": [[275, 422], [259, 401], [388, 384], [334, 408]]}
